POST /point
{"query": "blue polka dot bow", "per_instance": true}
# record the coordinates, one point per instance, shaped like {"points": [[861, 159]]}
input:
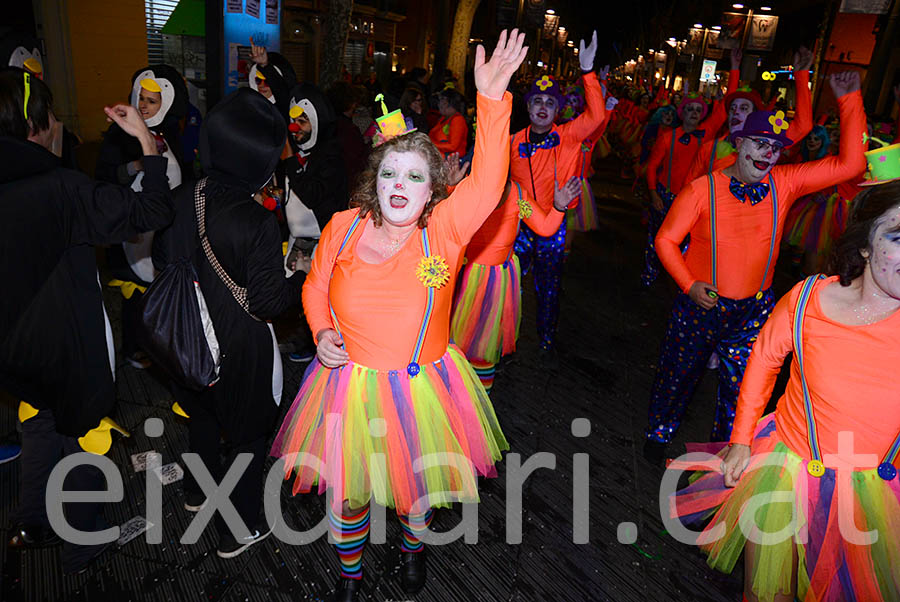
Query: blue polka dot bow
{"points": [[741, 191], [527, 149]]}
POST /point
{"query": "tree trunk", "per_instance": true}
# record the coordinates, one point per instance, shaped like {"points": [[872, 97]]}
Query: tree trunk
{"points": [[459, 40], [337, 26]]}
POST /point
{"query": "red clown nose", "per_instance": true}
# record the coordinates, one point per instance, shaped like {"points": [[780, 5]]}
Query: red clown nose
{"points": [[294, 128]]}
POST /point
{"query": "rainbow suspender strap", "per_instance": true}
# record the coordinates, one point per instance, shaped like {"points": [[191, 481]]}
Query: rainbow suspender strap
{"points": [[712, 231], [815, 467], [413, 368]]}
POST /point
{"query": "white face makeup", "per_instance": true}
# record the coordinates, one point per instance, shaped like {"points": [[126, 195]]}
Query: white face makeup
{"points": [[690, 114], [403, 186], [668, 117], [884, 253], [737, 113], [542, 110], [813, 143], [755, 158]]}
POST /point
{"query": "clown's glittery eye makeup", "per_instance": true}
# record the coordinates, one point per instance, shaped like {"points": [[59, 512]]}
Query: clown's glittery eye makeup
{"points": [[387, 173], [416, 176]]}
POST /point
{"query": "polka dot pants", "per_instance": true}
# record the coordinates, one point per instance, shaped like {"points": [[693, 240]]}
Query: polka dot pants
{"points": [[693, 333], [547, 254], [654, 221]]}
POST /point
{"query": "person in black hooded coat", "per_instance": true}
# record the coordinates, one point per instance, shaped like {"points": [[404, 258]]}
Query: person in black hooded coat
{"points": [[241, 141], [56, 349]]}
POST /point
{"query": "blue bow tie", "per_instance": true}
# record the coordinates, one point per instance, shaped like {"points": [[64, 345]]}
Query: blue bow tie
{"points": [[686, 138], [527, 149], [757, 192]]}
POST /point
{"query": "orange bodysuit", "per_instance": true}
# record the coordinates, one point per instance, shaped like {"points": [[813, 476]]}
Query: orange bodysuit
{"points": [[449, 135], [800, 126], [674, 172], [494, 241], [379, 307], [849, 370], [744, 231], [552, 167]]}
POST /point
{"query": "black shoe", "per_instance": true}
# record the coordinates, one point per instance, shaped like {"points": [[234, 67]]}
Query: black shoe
{"points": [[302, 354], [194, 502], [655, 451], [413, 571], [83, 565], [32, 536], [229, 547], [346, 590]]}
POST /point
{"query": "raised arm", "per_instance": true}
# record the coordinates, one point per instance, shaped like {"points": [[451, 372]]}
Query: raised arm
{"points": [[803, 120], [851, 161], [476, 196]]}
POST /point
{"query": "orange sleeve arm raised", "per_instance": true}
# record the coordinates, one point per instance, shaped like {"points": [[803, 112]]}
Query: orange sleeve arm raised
{"points": [[769, 351], [678, 223], [594, 111], [476, 195], [315, 288], [848, 164], [803, 121]]}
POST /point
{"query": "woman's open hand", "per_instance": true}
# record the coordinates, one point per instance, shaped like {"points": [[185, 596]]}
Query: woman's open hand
{"points": [[492, 77], [330, 349]]}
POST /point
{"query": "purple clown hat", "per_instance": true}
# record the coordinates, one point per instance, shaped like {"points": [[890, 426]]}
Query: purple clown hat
{"points": [[546, 85], [765, 124]]}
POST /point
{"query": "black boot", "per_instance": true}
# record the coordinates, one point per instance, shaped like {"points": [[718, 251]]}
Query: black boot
{"points": [[655, 452], [346, 590], [412, 571]]}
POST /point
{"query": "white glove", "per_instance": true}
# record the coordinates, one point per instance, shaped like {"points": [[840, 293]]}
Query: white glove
{"points": [[586, 55], [611, 103]]}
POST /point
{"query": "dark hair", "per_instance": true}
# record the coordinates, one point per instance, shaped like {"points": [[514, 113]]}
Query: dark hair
{"points": [[365, 196], [865, 216], [342, 96], [12, 98], [409, 96], [417, 72], [454, 99]]}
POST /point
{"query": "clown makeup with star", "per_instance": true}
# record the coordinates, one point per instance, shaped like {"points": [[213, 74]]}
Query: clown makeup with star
{"points": [[735, 218], [543, 158]]}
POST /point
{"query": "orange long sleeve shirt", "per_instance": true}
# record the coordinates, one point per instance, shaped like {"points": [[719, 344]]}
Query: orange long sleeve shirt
{"points": [[744, 231], [493, 242], [850, 373], [379, 307], [550, 168], [449, 135], [800, 126], [674, 173]]}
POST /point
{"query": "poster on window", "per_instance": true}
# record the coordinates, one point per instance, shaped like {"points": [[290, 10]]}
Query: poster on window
{"points": [[253, 8], [694, 41], [732, 34], [235, 6], [762, 33], [868, 7], [271, 12]]}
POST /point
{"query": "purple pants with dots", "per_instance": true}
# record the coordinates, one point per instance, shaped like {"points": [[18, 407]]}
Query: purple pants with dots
{"points": [[547, 255], [693, 333]]}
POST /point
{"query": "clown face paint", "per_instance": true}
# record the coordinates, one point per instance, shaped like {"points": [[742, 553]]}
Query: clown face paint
{"points": [[403, 187], [690, 115], [149, 103], [813, 144], [884, 253], [755, 158], [668, 118], [737, 113], [542, 110]]}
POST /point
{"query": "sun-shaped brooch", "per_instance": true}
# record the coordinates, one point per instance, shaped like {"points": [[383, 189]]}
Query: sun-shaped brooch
{"points": [[778, 122], [433, 271], [544, 83], [525, 209]]}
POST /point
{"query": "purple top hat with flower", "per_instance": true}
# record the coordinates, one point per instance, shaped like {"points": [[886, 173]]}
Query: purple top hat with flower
{"points": [[546, 85], [765, 124]]}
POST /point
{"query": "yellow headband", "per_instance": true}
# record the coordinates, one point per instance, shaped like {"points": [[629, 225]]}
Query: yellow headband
{"points": [[150, 85], [295, 112], [27, 92]]}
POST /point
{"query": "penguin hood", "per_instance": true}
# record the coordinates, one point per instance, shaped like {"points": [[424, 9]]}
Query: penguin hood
{"points": [[23, 52], [241, 140], [170, 85], [284, 69], [308, 98]]}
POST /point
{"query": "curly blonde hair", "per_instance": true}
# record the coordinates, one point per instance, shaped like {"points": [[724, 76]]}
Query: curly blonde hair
{"points": [[365, 196]]}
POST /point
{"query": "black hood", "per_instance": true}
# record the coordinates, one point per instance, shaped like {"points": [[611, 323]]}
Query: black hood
{"points": [[241, 140], [318, 109], [176, 90], [16, 48], [22, 158]]}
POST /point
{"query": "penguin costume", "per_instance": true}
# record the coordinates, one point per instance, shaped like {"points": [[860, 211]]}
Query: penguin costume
{"points": [[131, 265], [241, 141], [279, 76], [314, 176]]}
